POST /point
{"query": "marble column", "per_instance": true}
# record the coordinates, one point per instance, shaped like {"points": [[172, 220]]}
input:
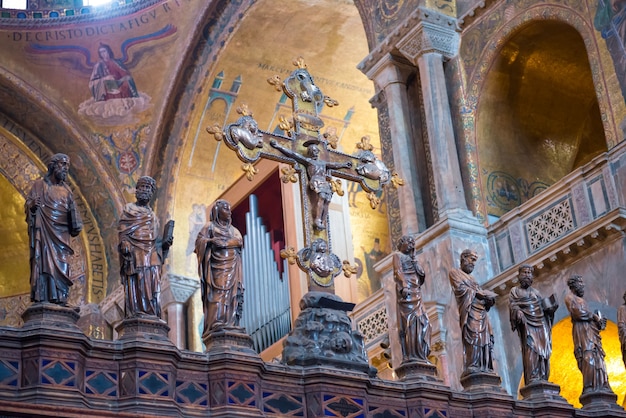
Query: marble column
{"points": [[390, 75], [433, 39], [175, 294]]}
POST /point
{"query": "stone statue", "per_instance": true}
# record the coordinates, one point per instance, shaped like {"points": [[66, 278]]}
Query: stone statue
{"points": [[52, 219], [532, 317], [413, 325], [474, 303], [220, 266], [142, 252], [587, 341], [621, 327], [320, 190]]}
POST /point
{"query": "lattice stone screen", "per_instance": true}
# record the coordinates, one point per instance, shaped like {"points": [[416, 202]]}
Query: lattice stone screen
{"points": [[549, 225]]}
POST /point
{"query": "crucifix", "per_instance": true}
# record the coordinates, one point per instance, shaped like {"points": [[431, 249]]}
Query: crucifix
{"points": [[316, 164], [323, 332]]}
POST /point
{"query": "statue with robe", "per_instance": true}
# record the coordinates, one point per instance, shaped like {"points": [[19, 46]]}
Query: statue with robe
{"points": [[52, 220], [142, 252], [218, 247], [413, 324], [621, 327], [586, 327], [474, 303], [532, 317]]}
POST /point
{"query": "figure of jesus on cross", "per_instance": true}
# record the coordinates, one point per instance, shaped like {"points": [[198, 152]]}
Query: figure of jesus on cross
{"points": [[309, 151]]}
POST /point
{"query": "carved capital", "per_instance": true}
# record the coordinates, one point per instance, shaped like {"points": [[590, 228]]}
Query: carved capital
{"points": [[434, 33], [178, 289]]}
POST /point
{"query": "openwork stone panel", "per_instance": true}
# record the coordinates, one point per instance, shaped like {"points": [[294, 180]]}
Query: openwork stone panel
{"points": [[550, 224], [373, 325]]}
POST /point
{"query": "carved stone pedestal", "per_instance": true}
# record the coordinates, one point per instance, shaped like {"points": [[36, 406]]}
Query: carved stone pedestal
{"points": [[482, 381], [50, 315], [323, 335], [229, 339], [542, 390], [417, 370], [600, 401], [148, 327]]}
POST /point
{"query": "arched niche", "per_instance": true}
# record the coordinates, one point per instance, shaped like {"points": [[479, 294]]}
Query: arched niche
{"points": [[537, 116]]}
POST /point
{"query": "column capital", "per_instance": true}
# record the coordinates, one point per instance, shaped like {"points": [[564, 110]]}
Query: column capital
{"points": [[433, 33], [390, 69], [178, 289]]}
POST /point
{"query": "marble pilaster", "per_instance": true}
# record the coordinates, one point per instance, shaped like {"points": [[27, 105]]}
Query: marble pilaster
{"points": [[176, 292], [434, 38], [390, 75]]}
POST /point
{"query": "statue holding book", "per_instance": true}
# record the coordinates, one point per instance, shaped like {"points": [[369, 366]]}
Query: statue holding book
{"points": [[532, 316], [142, 252], [52, 221]]}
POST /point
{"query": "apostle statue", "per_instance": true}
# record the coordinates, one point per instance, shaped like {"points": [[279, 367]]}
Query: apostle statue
{"points": [[621, 327], [586, 327], [52, 220], [142, 252], [413, 325], [474, 302], [220, 266], [532, 317]]}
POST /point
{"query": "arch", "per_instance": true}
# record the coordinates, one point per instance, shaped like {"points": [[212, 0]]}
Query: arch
{"points": [[43, 129], [477, 72]]}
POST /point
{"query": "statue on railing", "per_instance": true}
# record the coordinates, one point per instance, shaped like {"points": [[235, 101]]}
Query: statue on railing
{"points": [[621, 327], [413, 325], [220, 266], [532, 317], [474, 302], [587, 341], [52, 220], [142, 252]]}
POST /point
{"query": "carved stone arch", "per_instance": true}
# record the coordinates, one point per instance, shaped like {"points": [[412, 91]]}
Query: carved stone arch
{"points": [[44, 130], [212, 33], [478, 77]]}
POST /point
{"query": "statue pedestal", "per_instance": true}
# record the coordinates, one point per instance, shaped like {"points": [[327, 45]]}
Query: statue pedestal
{"points": [[323, 336], [229, 339], [50, 315], [599, 400], [482, 381], [542, 390], [148, 327], [417, 370]]}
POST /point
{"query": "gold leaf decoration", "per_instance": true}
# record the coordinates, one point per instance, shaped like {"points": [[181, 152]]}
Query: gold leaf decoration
{"points": [[330, 102], [396, 181], [244, 110], [348, 269], [276, 82], [216, 131], [374, 201], [336, 186], [299, 62], [365, 144], [289, 175], [331, 137], [285, 124], [249, 170], [289, 254]]}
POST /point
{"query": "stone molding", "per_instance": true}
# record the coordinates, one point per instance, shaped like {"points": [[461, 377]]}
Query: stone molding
{"points": [[428, 37]]}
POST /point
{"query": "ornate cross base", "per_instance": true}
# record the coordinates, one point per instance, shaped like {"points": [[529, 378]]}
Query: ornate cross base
{"points": [[417, 370], [229, 339], [47, 315], [143, 327], [481, 381], [323, 335], [599, 400], [542, 390]]}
